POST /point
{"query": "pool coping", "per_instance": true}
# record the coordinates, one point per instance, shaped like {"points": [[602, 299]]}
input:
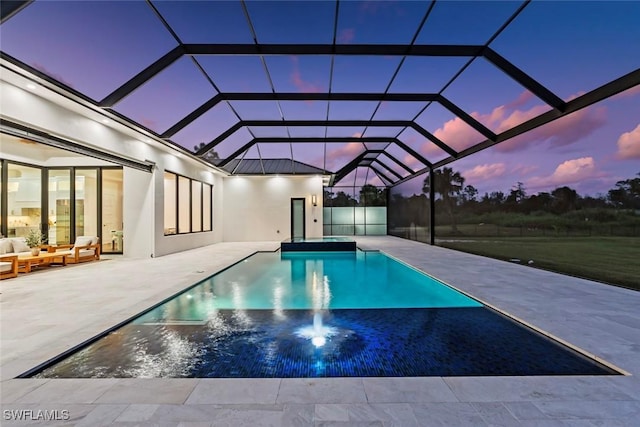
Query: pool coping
{"points": [[520, 321]]}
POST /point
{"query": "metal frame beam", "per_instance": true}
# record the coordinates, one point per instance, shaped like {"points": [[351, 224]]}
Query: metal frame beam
{"points": [[605, 91], [396, 141], [346, 169], [399, 163], [396, 174], [459, 112], [382, 176], [333, 49], [329, 123], [296, 96], [432, 207], [142, 77], [9, 8], [319, 139], [523, 79], [184, 122]]}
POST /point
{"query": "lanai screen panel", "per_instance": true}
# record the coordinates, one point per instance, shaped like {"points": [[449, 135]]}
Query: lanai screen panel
{"points": [[424, 83]]}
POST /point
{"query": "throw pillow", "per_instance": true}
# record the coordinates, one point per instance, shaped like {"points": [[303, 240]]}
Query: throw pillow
{"points": [[5, 246], [19, 245]]}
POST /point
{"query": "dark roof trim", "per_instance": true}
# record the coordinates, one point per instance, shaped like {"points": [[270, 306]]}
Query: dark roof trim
{"points": [[8, 8], [21, 131]]}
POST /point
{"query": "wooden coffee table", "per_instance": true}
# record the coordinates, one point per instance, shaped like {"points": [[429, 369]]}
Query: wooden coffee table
{"points": [[25, 262]]}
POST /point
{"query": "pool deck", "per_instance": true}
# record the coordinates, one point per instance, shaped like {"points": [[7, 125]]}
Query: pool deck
{"points": [[44, 313]]}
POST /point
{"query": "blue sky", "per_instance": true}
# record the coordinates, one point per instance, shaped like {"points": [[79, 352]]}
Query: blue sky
{"points": [[571, 47]]}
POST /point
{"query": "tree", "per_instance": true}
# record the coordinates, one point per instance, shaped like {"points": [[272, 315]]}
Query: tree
{"points": [[210, 156], [448, 186], [565, 199], [626, 195], [370, 195], [343, 199], [470, 194], [469, 198], [517, 194], [538, 202]]}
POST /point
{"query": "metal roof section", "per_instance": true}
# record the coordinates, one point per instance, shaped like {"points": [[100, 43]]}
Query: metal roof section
{"points": [[271, 167]]}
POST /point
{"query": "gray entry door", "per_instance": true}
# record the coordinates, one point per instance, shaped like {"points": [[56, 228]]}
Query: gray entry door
{"points": [[297, 219]]}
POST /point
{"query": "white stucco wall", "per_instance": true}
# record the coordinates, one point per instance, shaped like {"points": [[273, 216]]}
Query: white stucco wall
{"points": [[259, 209], [180, 242], [143, 192]]}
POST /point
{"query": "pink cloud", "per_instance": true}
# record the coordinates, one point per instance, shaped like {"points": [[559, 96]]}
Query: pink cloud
{"points": [[455, 133], [296, 78], [412, 162], [628, 93], [523, 170], [568, 172], [485, 172], [148, 123], [565, 131], [56, 76], [629, 144], [346, 152], [521, 100], [346, 35]]}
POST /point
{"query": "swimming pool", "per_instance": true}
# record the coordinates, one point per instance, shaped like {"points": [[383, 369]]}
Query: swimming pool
{"points": [[319, 314]]}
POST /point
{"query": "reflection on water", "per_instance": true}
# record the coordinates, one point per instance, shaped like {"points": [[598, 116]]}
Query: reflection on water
{"points": [[357, 343], [320, 281]]}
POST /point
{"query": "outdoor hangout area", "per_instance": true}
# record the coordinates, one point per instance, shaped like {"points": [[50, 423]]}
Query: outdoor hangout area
{"points": [[319, 213], [15, 259]]}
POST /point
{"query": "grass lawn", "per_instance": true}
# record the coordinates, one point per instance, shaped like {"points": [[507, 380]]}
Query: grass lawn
{"points": [[613, 260]]}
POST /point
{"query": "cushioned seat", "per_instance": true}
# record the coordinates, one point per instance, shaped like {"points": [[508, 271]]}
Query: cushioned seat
{"points": [[85, 248], [8, 266]]}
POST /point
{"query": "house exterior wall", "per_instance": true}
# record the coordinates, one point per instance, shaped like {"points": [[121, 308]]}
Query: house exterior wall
{"points": [[258, 208], [143, 192], [244, 208]]}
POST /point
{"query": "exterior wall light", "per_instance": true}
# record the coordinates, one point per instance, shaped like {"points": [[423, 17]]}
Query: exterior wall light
{"points": [[314, 200]]}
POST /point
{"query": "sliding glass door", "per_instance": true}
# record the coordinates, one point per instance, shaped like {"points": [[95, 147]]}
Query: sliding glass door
{"points": [[59, 215], [112, 218], [24, 199], [86, 207]]}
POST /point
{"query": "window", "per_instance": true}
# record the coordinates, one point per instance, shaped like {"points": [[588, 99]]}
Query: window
{"points": [[187, 205], [87, 203], [184, 206], [170, 203], [206, 207], [196, 206]]}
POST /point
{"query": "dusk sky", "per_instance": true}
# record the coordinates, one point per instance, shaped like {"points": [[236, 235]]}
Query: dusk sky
{"points": [[570, 47]]}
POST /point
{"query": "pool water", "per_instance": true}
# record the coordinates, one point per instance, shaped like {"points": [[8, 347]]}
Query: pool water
{"points": [[311, 280], [319, 314]]}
